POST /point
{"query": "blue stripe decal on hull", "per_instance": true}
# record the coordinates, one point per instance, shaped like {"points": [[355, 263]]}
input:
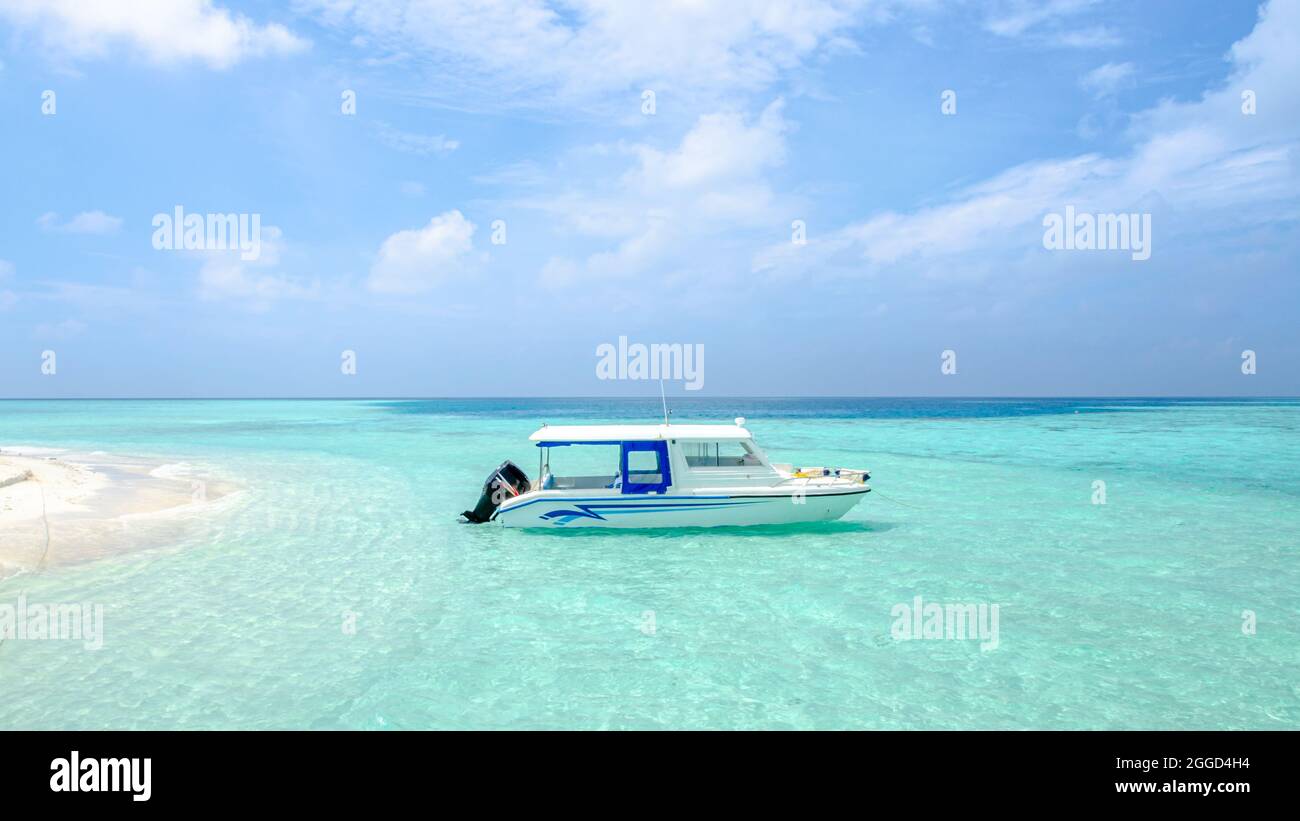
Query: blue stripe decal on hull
{"points": [[557, 500], [589, 511]]}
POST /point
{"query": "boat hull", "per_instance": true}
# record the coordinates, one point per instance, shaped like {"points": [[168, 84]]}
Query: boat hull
{"points": [[655, 511]]}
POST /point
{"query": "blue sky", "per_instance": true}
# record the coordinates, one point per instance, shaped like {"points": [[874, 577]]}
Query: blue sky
{"points": [[924, 229]]}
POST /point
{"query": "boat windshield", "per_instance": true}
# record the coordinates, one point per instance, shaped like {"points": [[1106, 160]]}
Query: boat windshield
{"points": [[719, 454]]}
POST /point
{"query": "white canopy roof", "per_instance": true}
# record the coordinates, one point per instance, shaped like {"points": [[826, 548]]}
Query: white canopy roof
{"points": [[638, 433]]}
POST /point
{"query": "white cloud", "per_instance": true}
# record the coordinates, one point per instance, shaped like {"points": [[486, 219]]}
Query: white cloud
{"points": [[412, 143], [231, 279], [522, 174], [1106, 79], [1012, 19], [163, 31], [670, 201], [59, 331], [532, 51], [1049, 23], [225, 276], [416, 260], [1203, 157], [87, 222], [6, 269], [104, 300], [1091, 37], [720, 147]]}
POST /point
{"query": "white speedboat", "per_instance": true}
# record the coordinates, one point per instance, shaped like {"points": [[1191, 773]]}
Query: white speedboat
{"points": [[666, 476]]}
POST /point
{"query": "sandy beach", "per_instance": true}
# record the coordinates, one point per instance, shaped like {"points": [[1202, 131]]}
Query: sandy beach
{"points": [[60, 508]]}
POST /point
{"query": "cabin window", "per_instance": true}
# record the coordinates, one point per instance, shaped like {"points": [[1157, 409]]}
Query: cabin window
{"points": [[580, 467], [643, 467], [719, 454]]}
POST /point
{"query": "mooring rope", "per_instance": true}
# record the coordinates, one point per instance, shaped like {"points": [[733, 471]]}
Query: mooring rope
{"points": [[46, 519], [875, 492]]}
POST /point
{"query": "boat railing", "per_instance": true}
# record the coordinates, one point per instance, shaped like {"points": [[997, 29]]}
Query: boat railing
{"points": [[579, 482]]}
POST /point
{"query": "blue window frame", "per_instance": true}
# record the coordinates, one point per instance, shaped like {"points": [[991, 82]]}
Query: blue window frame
{"points": [[644, 467]]}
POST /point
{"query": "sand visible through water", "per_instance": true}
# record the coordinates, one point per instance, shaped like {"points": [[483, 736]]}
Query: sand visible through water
{"points": [[60, 508]]}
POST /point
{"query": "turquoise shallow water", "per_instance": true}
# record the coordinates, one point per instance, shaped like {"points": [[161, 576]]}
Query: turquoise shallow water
{"points": [[1122, 615]]}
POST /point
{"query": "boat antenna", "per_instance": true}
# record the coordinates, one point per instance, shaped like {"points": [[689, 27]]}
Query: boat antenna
{"points": [[664, 398]]}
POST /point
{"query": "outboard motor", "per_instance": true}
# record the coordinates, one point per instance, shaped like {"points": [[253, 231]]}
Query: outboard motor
{"points": [[505, 482]]}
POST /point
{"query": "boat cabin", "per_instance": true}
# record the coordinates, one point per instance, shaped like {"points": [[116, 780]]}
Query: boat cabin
{"points": [[648, 459]]}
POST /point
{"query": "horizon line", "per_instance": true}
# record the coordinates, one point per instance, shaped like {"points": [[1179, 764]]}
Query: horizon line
{"points": [[626, 398]]}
